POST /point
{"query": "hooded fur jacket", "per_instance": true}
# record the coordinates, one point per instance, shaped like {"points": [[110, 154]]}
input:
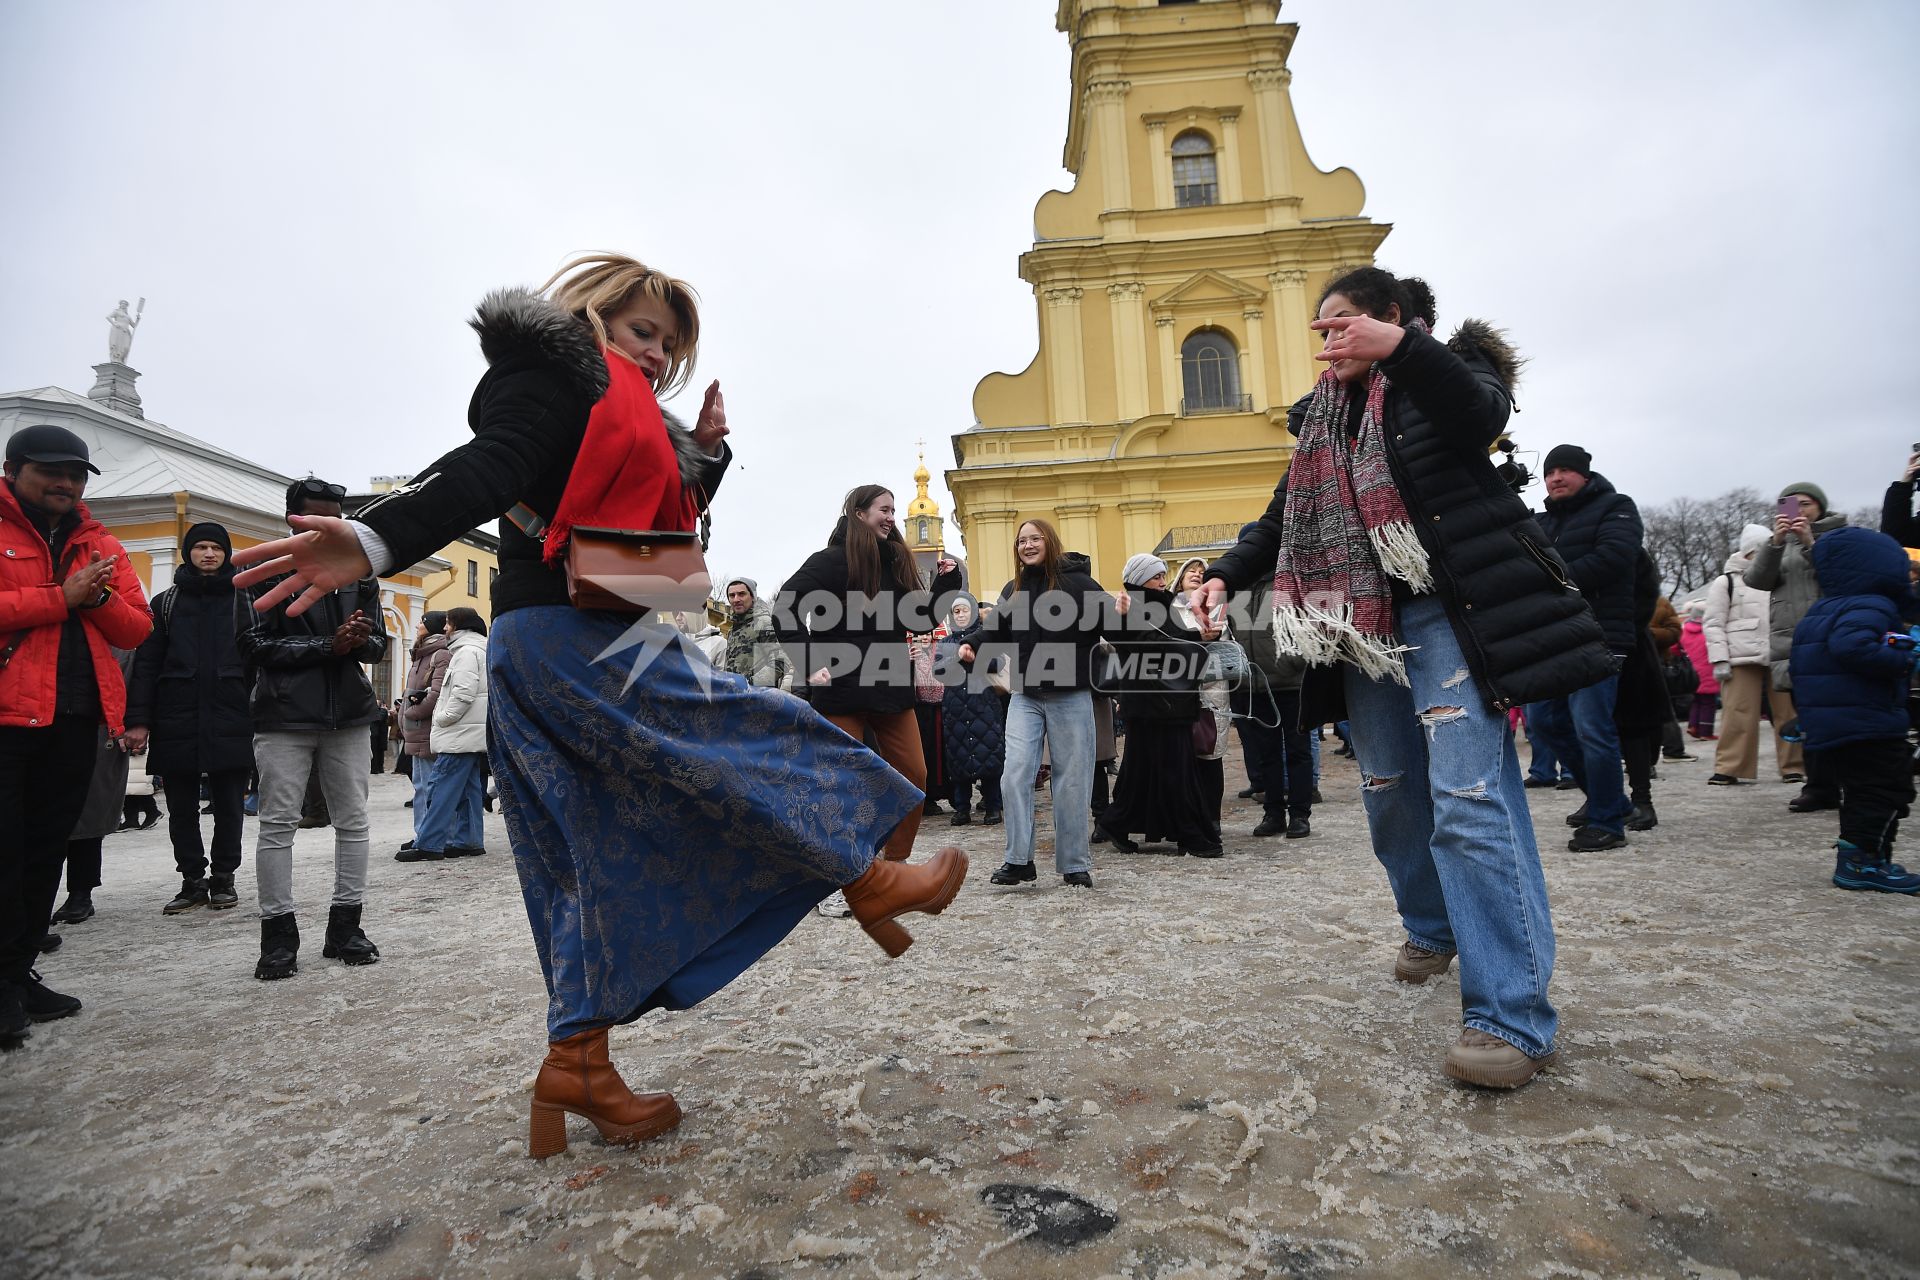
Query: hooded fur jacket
{"points": [[1523, 625], [528, 415]]}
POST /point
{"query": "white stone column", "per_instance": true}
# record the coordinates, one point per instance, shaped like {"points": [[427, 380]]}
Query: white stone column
{"points": [[1256, 353], [1066, 357], [1108, 99], [1229, 157], [1170, 384], [1292, 335], [1128, 300], [1162, 161], [1270, 114]]}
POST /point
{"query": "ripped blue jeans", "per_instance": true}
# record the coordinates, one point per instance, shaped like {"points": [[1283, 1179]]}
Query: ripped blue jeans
{"points": [[1447, 809]]}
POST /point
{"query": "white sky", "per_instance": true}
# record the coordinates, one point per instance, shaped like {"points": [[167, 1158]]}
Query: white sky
{"points": [[1695, 218]]}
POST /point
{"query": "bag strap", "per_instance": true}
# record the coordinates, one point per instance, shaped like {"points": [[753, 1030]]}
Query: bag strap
{"points": [[534, 525]]}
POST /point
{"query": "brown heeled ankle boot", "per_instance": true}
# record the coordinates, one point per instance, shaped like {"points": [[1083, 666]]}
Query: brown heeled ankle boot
{"points": [[579, 1077], [890, 889]]}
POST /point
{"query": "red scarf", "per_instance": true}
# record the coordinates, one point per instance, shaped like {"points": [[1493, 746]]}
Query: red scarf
{"points": [[628, 474]]}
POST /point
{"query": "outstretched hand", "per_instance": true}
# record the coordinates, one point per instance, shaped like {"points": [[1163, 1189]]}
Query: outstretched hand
{"points": [[710, 428], [322, 556], [1358, 338], [1207, 597]]}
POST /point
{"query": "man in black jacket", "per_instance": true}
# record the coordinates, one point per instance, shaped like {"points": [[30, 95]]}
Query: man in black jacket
{"points": [[1597, 532], [187, 710], [311, 708], [1897, 519]]}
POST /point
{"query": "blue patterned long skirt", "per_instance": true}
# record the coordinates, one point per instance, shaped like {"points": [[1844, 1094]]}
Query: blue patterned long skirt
{"points": [[670, 822]]}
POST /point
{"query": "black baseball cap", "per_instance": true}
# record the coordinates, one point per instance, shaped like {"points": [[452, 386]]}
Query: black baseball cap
{"points": [[45, 442]]}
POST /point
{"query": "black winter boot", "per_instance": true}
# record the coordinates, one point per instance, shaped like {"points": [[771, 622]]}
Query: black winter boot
{"points": [[345, 942], [193, 893], [279, 948], [220, 894], [77, 907]]}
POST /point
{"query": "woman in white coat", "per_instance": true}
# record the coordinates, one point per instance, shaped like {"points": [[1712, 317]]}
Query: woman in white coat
{"points": [[1736, 628], [452, 828]]}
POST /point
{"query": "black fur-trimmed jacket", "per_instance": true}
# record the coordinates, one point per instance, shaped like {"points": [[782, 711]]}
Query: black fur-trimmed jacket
{"points": [[528, 415], [1598, 534], [1526, 630]]}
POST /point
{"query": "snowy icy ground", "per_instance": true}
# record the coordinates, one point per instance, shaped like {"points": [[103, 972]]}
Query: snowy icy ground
{"points": [[1212, 1053]]}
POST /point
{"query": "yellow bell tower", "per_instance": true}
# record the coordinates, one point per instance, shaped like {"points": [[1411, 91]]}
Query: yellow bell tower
{"points": [[921, 525], [1155, 420]]}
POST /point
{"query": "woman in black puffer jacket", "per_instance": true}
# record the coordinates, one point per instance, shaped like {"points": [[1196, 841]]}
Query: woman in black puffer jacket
{"points": [[1428, 602], [858, 667]]}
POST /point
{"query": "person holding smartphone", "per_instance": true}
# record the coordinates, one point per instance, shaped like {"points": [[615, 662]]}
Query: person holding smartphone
{"points": [[1783, 566], [1897, 519]]}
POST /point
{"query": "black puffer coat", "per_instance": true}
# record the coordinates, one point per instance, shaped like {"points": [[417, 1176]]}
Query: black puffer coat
{"points": [[1052, 654], [189, 685], [973, 721], [299, 682], [1641, 706], [1525, 628], [1598, 534], [1157, 661], [881, 683]]}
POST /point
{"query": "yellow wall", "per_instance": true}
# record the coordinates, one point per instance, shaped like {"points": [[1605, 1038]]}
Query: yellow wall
{"points": [[1091, 434], [448, 590]]}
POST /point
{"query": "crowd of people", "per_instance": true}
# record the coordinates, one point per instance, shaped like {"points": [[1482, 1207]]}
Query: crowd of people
{"points": [[674, 814]]}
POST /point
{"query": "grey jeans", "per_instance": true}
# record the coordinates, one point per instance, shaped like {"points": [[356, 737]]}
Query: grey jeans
{"points": [[285, 759]]}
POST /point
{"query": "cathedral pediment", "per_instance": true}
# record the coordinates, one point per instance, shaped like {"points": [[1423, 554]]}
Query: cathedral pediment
{"points": [[1203, 288]]}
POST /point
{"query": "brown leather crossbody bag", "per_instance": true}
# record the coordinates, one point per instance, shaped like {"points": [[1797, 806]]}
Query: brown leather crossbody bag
{"points": [[631, 571]]}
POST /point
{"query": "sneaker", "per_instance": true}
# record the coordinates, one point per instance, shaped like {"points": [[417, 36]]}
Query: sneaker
{"points": [[1014, 873], [1595, 840], [1491, 1062], [42, 1003], [834, 906], [1578, 818], [1417, 964], [1723, 780], [77, 907], [1793, 777], [1077, 880], [1269, 827], [220, 894], [1852, 870], [193, 893], [1643, 818]]}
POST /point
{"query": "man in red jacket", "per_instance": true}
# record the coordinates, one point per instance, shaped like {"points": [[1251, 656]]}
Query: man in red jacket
{"points": [[67, 599]]}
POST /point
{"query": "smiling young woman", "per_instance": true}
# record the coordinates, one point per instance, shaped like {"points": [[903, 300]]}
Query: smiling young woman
{"points": [[644, 888]]}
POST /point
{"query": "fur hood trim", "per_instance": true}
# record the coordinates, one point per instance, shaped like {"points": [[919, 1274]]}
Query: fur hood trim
{"points": [[1477, 336], [518, 324]]}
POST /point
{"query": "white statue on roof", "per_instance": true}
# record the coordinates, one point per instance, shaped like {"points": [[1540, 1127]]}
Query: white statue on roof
{"points": [[120, 340]]}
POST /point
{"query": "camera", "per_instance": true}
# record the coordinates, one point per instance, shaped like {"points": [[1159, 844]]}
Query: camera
{"points": [[1512, 472]]}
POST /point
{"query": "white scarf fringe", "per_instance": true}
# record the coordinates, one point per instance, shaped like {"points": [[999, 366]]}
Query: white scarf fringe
{"points": [[1401, 555], [1324, 637]]}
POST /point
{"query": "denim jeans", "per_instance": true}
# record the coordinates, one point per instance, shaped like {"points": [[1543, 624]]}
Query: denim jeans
{"points": [[1544, 765], [285, 759], [1447, 809], [453, 814], [961, 794], [422, 794], [1579, 730], [1064, 721]]}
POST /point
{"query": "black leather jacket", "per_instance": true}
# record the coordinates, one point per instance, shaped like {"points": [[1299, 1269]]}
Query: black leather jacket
{"points": [[299, 682]]}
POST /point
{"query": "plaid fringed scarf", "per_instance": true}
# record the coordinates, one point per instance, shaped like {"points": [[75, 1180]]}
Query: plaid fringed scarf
{"points": [[1346, 533]]}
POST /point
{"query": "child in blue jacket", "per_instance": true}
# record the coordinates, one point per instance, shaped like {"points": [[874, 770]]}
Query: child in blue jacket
{"points": [[1850, 687]]}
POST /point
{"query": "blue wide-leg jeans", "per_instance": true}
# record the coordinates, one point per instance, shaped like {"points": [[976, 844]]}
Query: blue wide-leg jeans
{"points": [[1447, 808]]}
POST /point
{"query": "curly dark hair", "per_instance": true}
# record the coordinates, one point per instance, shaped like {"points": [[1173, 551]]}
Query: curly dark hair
{"points": [[1375, 289]]}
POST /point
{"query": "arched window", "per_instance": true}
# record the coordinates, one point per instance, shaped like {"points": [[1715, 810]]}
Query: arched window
{"points": [[1210, 373], [1196, 174], [923, 531]]}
